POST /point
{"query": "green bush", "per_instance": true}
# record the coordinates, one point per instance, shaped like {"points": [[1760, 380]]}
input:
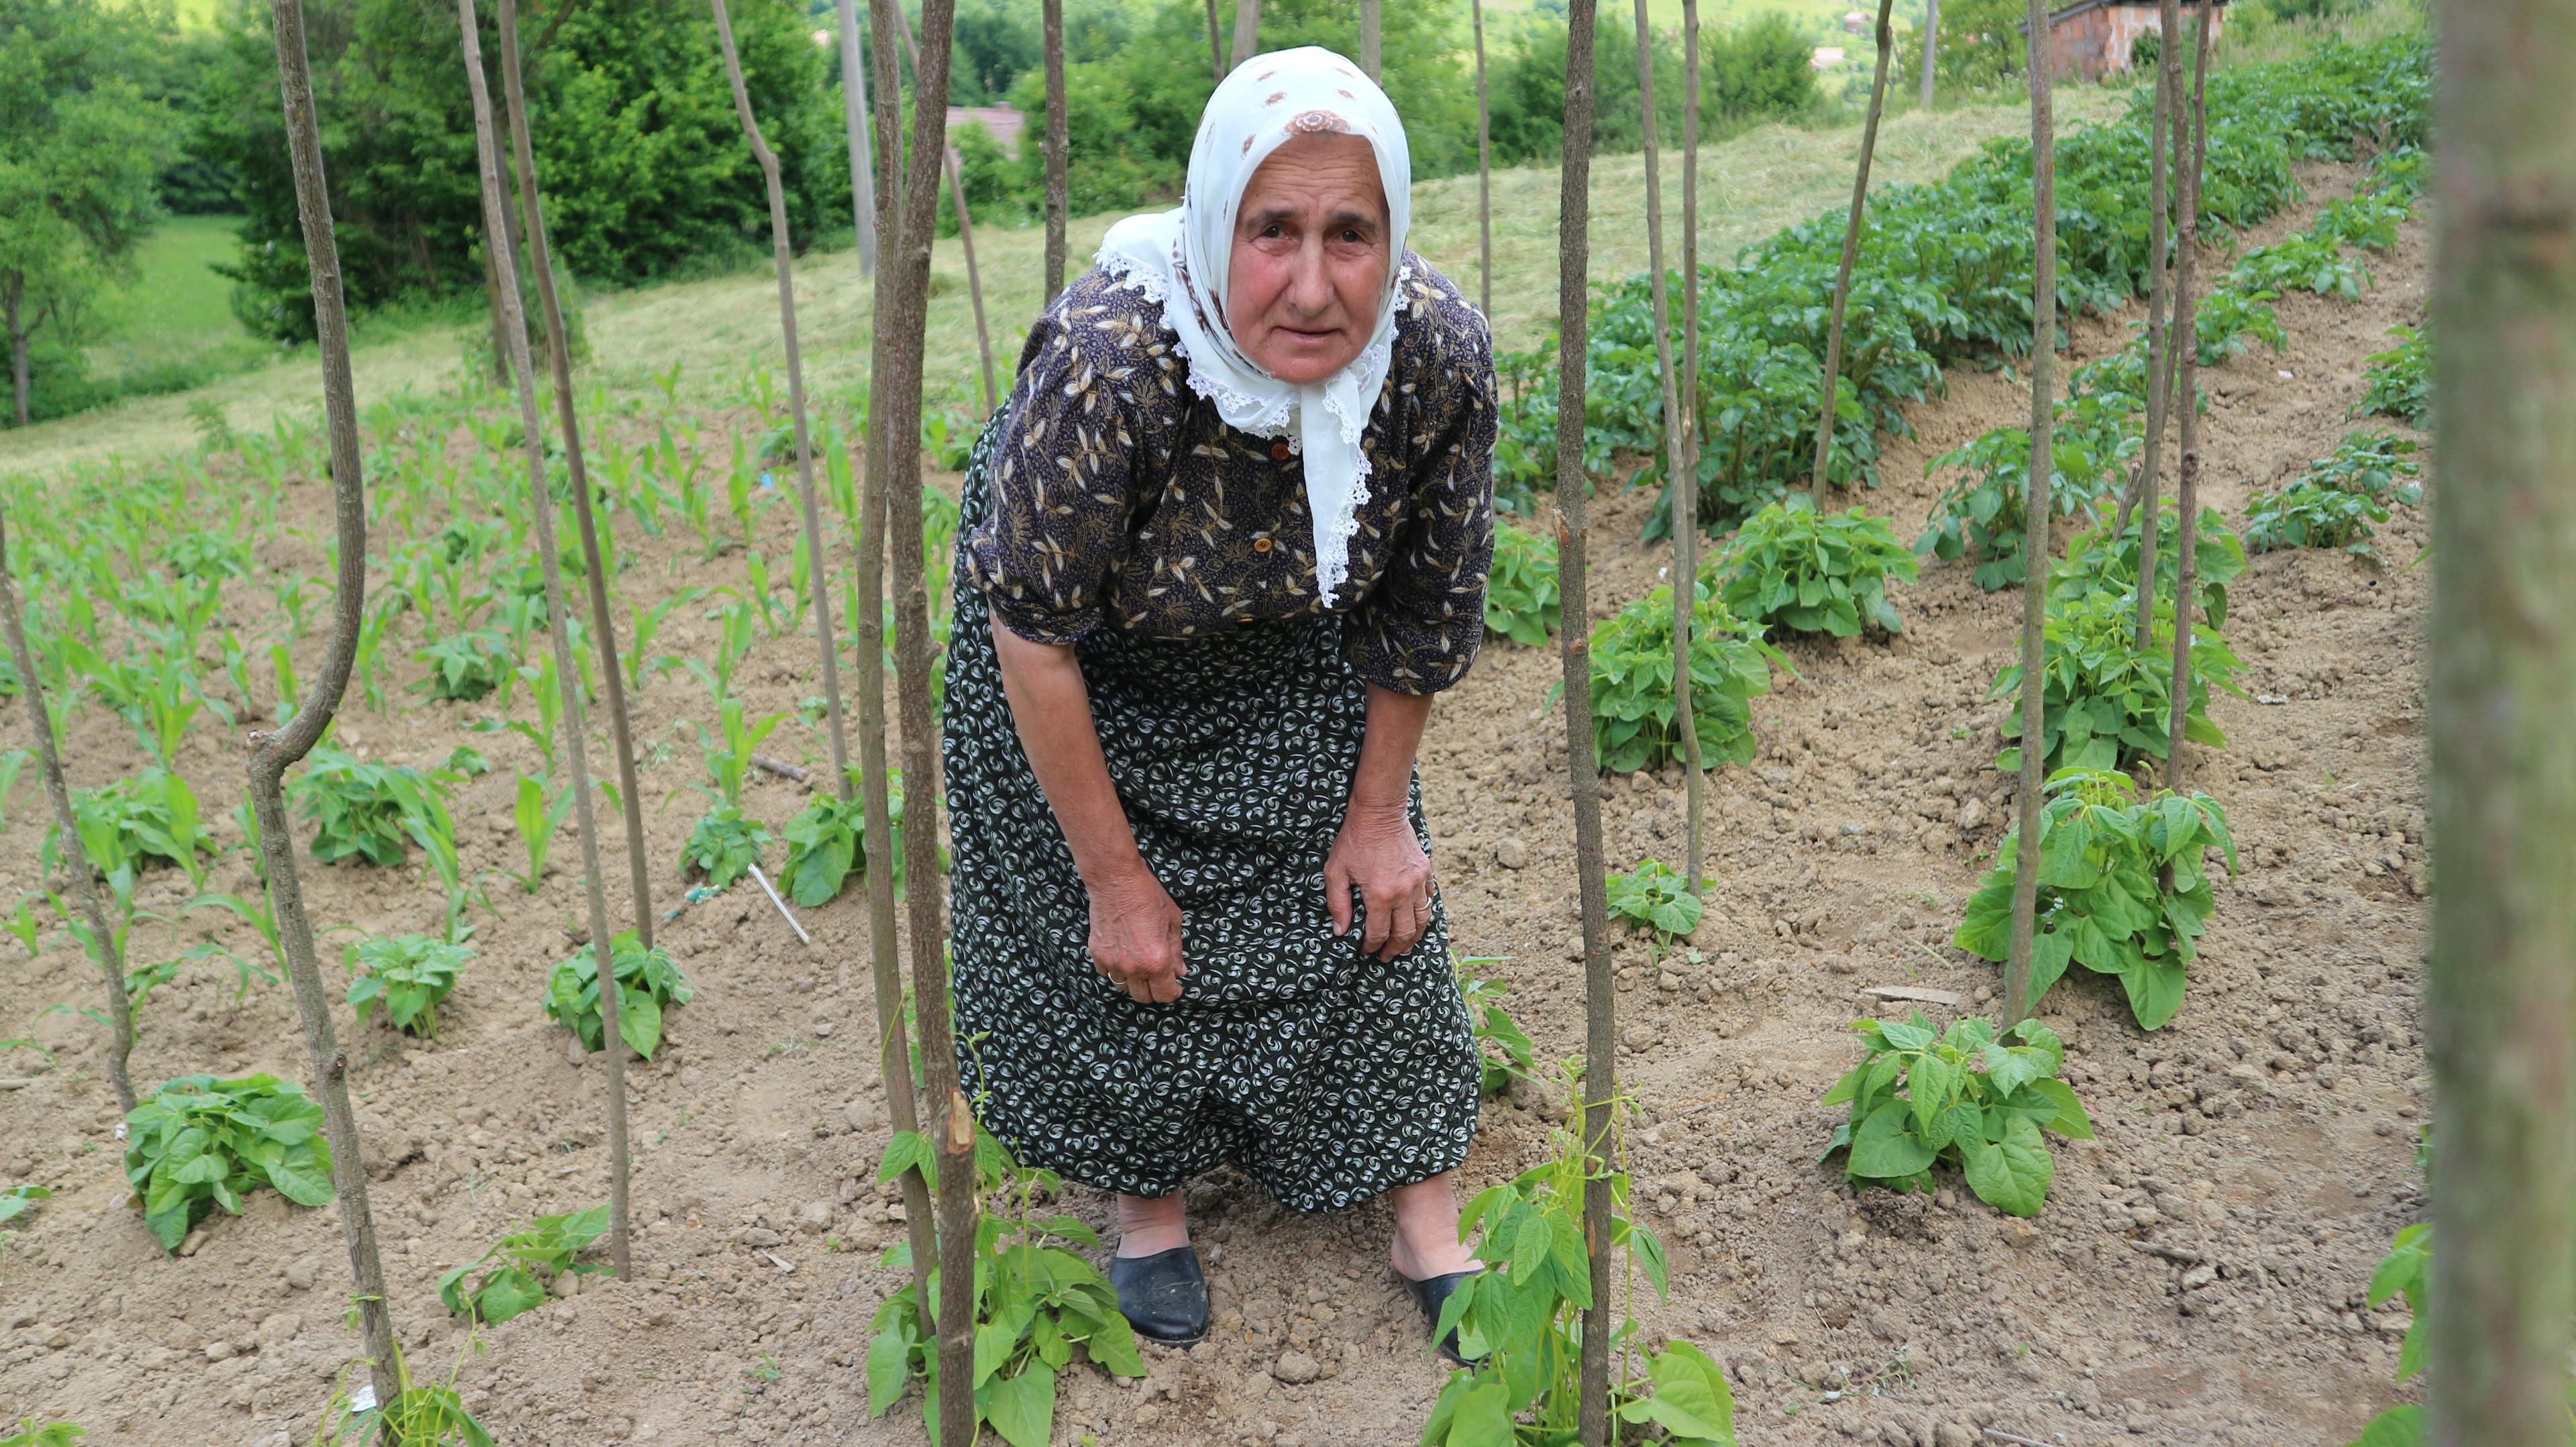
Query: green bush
{"points": [[368, 811], [2106, 704], [1964, 1097], [521, 1265], [466, 666], [649, 987], [2093, 564], [1633, 707], [2122, 889], [1520, 592], [2401, 378], [723, 846], [1812, 572], [409, 975], [2337, 500], [200, 1142]]}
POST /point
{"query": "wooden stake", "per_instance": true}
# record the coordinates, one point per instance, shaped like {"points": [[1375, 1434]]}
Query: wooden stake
{"points": [[2036, 501], [2186, 327], [1247, 33], [541, 505], [1372, 42], [82, 875], [1056, 151], [826, 638], [965, 223], [1931, 42], [603, 631], [2143, 494], [894, 1039], [1686, 498], [1679, 484], [897, 398], [2501, 987], [854, 119], [1484, 174], [1574, 644], [273, 753], [1851, 252], [1216, 45]]}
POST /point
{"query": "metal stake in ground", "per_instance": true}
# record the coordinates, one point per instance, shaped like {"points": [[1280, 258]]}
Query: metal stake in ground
{"points": [[273, 753], [896, 396], [2034, 583], [603, 632], [1574, 644], [83, 876], [541, 507], [1832, 389], [1677, 482]]}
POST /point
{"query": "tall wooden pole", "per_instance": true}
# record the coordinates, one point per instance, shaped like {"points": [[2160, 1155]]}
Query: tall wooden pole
{"points": [[894, 1037], [2501, 989], [1686, 499], [826, 638], [1216, 44], [897, 395], [1372, 54], [81, 874], [1057, 145], [273, 753], [1574, 642], [965, 223], [2034, 584], [603, 631], [2186, 330], [1484, 175], [1931, 47], [558, 630], [2159, 338], [854, 119], [1247, 32], [1681, 484], [1851, 251]]}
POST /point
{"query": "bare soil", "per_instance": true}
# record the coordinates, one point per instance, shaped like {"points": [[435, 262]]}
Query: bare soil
{"points": [[2196, 1278]]}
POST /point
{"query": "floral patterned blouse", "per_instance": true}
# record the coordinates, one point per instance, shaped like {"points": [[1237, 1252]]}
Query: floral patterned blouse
{"points": [[1119, 498]]}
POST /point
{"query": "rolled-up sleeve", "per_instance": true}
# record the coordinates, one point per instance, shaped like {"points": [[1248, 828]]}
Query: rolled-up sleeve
{"points": [[1056, 526], [1419, 628]]}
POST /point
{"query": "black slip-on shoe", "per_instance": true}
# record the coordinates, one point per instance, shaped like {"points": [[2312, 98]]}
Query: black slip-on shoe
{"points": [[1163, 1296], [1432, 1296]]}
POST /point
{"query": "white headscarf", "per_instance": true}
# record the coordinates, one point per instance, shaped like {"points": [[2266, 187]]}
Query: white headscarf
{"points": [[1182, 258]]}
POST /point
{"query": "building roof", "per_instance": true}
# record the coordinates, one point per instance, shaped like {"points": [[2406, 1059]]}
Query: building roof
{"points": [[2065, 13]]}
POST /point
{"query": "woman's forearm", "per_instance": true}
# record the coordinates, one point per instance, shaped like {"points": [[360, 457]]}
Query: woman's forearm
{"points": [[1051, 707], [1383, 783]]}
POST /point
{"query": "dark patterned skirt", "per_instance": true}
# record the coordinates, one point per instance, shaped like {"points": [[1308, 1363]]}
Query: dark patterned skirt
{"points": [[1327, 1075]]}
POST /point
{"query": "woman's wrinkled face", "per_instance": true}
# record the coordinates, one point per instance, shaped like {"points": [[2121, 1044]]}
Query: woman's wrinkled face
{"points": [[1311, 256]]}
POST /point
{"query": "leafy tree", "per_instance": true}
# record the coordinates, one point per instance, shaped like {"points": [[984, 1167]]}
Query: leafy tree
{"points": [[79, 150]]}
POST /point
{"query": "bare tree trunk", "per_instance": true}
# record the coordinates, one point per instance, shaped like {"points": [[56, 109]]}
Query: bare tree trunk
{"points": [[272, 753], [1574, 643], [2036, 502], [492, 303], [965, 223], [2501, 988], [1216, 44], [1931, 47], [2159, 343], [1484, 176], [897, 393], [1247, 32], [76, 861], [1686, 499], [854, 119], [1851, 251], [826, 638], [20, 381], [894, 1039], [541, 508], [1680, 484], [1057, 203], [621, 733], [2186, 328], [1372, 42]]}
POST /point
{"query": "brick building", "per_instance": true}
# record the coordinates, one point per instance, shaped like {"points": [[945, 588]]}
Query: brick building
{"points": [[2092, 38]]}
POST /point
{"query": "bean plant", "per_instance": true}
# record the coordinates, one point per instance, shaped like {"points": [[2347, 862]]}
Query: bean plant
{"points": [[1812, 572], [2123, 889], [466, 666], [2401, 378], [1504, 1050], [723, 846], [366, 810], [2107, 704], [200, 1142], [1633, 710], [1965, 1097], [510, 1278], [1520, 592], [1656, 899], [2095, 563], [649, 988], [409, 975], [130, 823]]}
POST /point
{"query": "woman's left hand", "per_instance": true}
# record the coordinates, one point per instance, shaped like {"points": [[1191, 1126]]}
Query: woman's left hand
{"points": [[1377, 855]]}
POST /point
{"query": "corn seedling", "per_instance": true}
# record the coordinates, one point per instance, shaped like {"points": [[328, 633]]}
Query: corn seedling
{"points": [[538, 825]]}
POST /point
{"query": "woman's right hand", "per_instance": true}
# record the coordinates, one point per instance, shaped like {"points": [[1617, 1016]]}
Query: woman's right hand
{"points": [[1136, 935]]}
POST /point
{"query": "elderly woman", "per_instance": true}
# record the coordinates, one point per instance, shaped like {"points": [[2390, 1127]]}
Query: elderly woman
{"points": [[1226, 541]]}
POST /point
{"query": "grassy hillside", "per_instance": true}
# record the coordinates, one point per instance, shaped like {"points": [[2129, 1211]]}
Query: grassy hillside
{"points": [[719, 328]]}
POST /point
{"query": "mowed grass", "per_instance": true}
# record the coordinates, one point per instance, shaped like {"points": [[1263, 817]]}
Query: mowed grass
{"points": [[176, 310], [721, 328]]}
